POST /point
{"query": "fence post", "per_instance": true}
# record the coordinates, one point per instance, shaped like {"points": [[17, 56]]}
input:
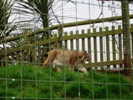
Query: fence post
{"points": [[60, 31], [126, 38]]}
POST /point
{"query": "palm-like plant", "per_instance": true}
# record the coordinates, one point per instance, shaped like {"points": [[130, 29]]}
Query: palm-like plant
{"points": [[5, 12], [39, 9], [36, 11]]}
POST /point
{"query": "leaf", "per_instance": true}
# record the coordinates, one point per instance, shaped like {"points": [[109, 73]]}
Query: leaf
{"points": [[5, 27], [37, 7]]}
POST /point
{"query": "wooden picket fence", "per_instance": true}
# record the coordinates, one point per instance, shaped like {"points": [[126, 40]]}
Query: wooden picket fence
{"points": [[105, 47]]}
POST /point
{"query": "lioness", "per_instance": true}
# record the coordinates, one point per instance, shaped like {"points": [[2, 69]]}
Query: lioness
{"points": [[73, 59]]}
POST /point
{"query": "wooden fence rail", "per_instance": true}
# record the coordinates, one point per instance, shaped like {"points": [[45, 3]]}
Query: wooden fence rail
{"points": [[105, 47], [86, 22]]}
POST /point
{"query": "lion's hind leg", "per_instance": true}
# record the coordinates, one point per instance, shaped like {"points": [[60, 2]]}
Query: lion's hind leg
{"points": [[50, 59], [46, 63]]}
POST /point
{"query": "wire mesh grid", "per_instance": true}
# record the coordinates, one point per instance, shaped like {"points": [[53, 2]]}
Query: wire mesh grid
{"points": [[35, 33]]}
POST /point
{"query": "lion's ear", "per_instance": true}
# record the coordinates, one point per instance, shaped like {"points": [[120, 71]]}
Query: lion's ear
{"points": [[85, 52]]}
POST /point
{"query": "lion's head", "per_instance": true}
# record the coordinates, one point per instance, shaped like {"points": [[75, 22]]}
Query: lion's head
{"points": [[86, 56]]}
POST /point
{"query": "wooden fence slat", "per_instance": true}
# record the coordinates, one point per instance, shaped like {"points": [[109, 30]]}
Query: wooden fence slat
{"points": [[3, 61], [107, 48], [107, 45], [10, 58], [120, 46], [95, 46], [83, 40], [33, 54], [13, 56], [17, 56], [113, 48], [101, 49], [101, 46], [71, 41], [7, 60], [132, 46], [24, 56], [77, 40], [39, 55], [65, 41], [95, 50], [88, 34], [89, 43]]}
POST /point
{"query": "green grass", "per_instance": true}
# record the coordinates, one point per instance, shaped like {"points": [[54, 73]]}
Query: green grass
{"points": [[35, 83]]}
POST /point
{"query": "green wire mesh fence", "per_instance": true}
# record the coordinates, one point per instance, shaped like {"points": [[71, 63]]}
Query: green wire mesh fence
{"points": [[32, 30]]}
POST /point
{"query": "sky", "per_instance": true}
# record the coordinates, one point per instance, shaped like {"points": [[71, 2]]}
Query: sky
{"points": [[79, 10]]}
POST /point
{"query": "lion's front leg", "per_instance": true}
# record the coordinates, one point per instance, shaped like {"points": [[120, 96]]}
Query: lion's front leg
{"points": [[72, 63], [71, 68], [83, 69]]}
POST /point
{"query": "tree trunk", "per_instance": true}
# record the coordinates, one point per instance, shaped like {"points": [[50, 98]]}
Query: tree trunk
{"points": [[46, 34], [126, 38]]}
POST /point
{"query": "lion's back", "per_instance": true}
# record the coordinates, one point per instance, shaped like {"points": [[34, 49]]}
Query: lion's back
{"points": [[62, 56]]}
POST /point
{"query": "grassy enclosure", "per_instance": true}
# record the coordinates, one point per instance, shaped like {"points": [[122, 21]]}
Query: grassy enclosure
{"points": [[29, 29], [32, 82]]}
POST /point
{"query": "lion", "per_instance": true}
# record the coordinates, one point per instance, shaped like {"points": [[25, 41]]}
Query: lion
{"points": [[73, 59]]}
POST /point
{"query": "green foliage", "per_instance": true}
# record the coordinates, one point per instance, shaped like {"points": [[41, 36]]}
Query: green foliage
{"points": [[38, 7], [31, 82], [5, 13]]}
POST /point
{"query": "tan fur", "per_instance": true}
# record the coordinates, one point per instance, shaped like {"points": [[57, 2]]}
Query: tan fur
{"points": [[73, 59]]}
